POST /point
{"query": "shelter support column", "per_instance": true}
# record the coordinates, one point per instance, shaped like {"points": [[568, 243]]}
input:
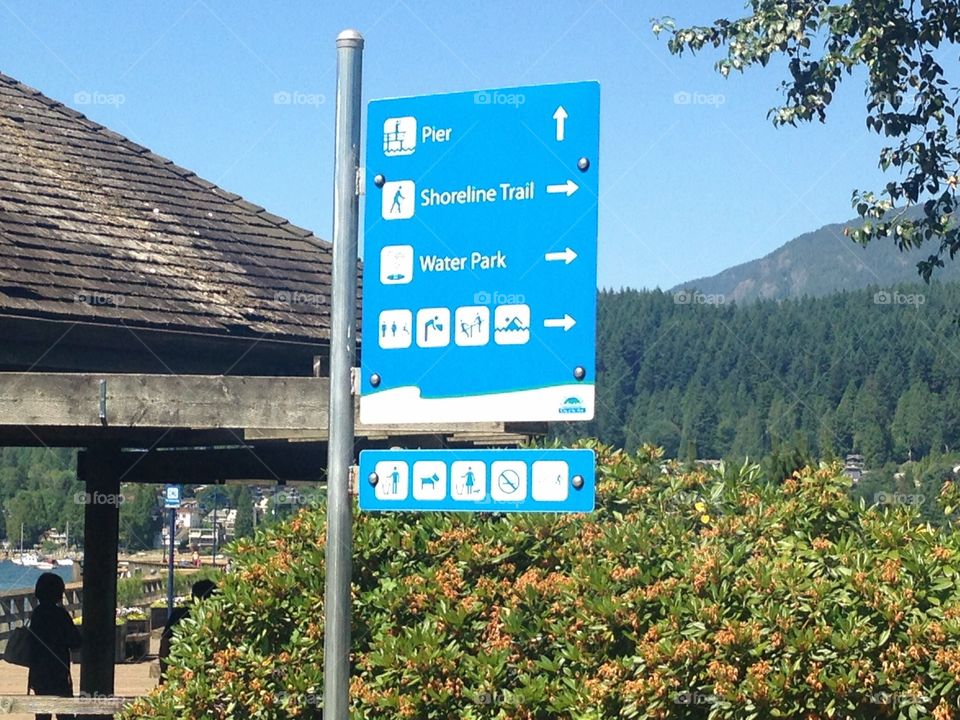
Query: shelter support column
{"points": [[99, 469]]}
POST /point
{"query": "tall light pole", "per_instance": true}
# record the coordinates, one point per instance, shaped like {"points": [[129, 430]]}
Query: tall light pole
{"points": [[343, 350]]}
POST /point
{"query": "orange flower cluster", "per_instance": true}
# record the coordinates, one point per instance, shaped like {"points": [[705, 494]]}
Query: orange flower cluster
{"points": [[450, 539], [545, 585], [863, 667], [941, 553], [893, 660], [943, 711], [624, 573], [705, 567], [724, 676], [756, 681], [821, 543], [450, 579], [950, 659], [660, 588], [890, 571], [495, 636], [226, 657], [813, 677]]}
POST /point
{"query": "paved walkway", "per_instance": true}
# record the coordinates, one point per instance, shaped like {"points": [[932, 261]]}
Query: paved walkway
{"points": [[131, 679]]}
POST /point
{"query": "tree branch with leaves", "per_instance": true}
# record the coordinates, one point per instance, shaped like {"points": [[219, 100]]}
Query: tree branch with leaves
{"points": [[908, 97]]}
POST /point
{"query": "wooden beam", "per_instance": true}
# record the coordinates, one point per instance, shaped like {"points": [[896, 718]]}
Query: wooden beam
{"points": [[257, 408], [101, 524], [162, 401], [512, 431], [275, 462], [270, 461], [23, 704], [79, 437], [69, 346]]}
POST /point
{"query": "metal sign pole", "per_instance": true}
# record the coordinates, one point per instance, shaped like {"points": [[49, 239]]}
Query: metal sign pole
{"points": [[173, 531], [343, 344]]}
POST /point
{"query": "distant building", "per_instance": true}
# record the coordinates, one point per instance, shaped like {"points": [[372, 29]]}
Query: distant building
{"points": [[54, 536], [188, 514], [229, 523], [202, 537], [853, 467]]}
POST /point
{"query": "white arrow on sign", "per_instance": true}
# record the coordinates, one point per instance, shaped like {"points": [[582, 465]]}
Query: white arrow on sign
{"points": [[566, 322], [568, 256], [560, 115], [568, 188]]}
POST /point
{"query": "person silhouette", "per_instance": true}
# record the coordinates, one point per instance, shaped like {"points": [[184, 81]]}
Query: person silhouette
{"points": [[201, 590], [470, 481], [52, 636], [396, 201], [395, 479]]}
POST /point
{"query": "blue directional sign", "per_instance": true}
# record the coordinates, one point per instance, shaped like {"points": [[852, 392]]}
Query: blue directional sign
{"points": [[480, 256], [171, 496], [502, 480]]}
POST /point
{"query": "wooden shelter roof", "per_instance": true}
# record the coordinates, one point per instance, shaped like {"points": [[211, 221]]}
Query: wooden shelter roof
{"points": [[145, 307], [95, 228]]}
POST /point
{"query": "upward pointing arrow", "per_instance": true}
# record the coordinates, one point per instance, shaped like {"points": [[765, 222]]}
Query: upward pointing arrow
{"points": [[560, 115]]}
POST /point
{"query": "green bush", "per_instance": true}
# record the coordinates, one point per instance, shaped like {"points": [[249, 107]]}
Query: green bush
{"points": [[130, 590], [708, 593]]}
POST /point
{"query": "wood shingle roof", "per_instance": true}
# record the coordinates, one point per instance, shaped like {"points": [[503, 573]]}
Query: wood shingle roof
{"points": [[95, 228]]}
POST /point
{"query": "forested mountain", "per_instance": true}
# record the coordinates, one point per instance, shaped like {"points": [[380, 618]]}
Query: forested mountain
{"points": [[39, 489], [816, 264], [872, 371]]}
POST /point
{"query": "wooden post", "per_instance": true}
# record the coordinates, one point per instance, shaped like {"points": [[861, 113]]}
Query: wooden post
{"points": [[98, 468]]}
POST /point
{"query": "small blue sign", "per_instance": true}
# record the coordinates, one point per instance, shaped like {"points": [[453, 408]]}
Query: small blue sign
{"points": [[171, 496], [480, 256], [508, 480]]}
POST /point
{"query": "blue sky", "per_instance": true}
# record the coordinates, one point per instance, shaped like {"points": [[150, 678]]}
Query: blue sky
{"points": [[687, 188]]}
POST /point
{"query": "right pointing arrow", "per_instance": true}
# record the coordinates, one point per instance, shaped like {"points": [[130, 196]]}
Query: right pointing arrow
{"points": [[568, 256], [568, 188], [566, 322]]}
